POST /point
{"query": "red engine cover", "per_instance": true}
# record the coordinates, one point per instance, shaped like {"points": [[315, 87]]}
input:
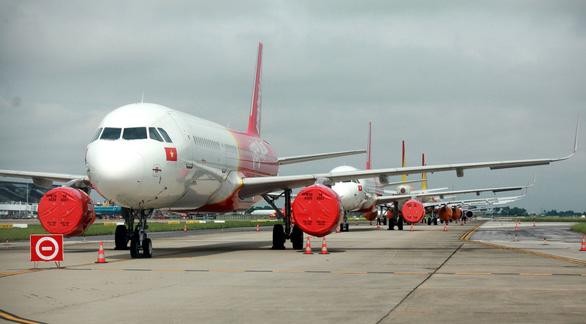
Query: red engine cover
{"points": [[445, 213], [413, 211], [66, 211], [317, 210]]}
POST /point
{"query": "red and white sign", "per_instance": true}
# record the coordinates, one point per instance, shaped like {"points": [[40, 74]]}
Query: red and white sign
{"points": [[46, 247], [171, 153]]}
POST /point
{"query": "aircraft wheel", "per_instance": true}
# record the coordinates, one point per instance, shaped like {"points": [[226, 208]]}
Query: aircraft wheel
{"points": [[429, 221], [121, 237], [134, 248], [435, 221], [297, 238], [400, 223], [147, 248], [391, 223], [278, 237]]}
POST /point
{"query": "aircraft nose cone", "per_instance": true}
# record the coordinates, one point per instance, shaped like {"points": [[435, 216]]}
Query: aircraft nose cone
{"points": [[116, 174]]}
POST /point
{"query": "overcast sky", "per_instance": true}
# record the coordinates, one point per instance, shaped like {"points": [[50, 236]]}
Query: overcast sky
{"points": [[462, 81]]}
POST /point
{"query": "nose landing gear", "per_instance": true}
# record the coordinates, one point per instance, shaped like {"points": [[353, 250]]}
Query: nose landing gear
{"points": [[140, 245]]}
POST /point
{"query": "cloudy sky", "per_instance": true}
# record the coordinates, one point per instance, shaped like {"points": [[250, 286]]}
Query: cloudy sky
{"points": [[461, 81]]}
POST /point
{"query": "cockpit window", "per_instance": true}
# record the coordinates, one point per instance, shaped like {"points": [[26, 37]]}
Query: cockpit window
{"points": [[111, 133], [134, 133], [97, 134], [165, 135], [153, 134]]}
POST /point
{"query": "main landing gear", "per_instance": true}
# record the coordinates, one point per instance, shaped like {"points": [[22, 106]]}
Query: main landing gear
{"points": [[140, 245], [397, 218], [282, 232]]}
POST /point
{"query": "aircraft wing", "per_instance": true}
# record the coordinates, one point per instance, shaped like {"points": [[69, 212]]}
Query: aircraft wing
{"points": [[442, 194], [256, 186], [313, 157], [44, 179]]}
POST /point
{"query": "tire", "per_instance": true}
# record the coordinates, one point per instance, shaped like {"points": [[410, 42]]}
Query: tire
{"points": [[121, 238], [429, 221], [134, 249], [297, 238], [435, 221], [400, 223], [147, 248], [391, 224], [278, 237]]}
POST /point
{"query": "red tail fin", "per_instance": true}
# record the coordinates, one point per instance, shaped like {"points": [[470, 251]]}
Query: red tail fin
{"points": [[423, 174], [369, 147], [255, 111], [403, 177]]}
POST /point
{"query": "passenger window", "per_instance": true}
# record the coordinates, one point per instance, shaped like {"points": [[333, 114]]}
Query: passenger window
{"points": [[111, 133], [97, 134], [153, 134], [134, 133], [165, 135]]}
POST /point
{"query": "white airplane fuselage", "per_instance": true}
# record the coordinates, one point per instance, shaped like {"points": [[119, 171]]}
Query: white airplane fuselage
{"points": [[200, 169]]}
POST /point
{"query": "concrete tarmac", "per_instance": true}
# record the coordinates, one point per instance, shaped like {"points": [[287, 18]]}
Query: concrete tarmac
{"points": [[370, 276]]}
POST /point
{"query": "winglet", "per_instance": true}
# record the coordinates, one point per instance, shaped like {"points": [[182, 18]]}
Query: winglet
{"points": [[369, 148], [255, 107], [576, 134]]}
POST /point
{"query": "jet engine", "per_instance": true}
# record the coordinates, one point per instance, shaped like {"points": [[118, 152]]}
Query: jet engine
{"points": [[317, 210], [456, 213], [66, 211], [469, 214], [413, 211], [445, 213]]}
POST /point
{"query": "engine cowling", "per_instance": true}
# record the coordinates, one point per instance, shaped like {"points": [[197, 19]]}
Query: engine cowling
{"points": [[456, 213], [445, 213], [66, 211], [413, 211], [317, 210], [469, 213]]}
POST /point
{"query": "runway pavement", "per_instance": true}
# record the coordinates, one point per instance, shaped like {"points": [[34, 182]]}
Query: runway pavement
{"points": [[370, 276]]}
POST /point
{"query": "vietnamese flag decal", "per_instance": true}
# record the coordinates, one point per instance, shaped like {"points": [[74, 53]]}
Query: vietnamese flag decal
{"points": [[171, 153]]}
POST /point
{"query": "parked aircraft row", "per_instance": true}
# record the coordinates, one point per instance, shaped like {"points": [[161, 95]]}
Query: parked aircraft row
{"points": [[146, 156]]}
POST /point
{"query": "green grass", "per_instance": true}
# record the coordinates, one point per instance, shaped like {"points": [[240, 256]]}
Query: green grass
{"points": [[550, 219], [19, 234], [580, 228]]}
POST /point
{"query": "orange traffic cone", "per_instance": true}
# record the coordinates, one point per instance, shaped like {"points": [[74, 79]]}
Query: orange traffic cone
{"points": [[308, 246], [185, 227], [101, 256], [411, 228], [583, 247], [324, 246], [516, 227], [445, 226], [257, 227]]}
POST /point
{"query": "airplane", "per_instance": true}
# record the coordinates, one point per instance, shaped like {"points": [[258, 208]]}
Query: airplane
{"points": [[365, 195], [146, 156]]}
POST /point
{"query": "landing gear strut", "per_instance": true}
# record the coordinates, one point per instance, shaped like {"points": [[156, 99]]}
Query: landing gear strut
{"points": [[140, 244], [397, 218], [282, 232]]}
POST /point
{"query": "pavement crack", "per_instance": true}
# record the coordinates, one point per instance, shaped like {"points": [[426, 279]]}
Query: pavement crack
{"points": [[419, 285]]}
